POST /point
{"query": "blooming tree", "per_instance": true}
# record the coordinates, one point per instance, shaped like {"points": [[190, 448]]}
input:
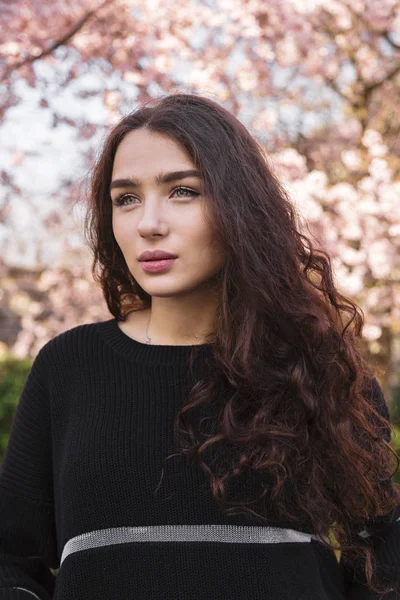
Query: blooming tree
{"points": [[317, 82]]}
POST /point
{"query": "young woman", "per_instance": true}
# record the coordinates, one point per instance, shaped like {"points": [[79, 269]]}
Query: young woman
{"points": [[209, 440]]}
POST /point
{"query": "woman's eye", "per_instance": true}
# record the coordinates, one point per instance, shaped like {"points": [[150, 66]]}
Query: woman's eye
{"points": [[185, 189], [122, 200]]}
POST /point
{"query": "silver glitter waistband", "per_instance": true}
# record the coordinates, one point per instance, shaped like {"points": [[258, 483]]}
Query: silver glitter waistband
{"points": [[231, 534]]}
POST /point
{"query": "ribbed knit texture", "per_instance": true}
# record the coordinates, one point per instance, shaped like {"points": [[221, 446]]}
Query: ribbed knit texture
{"points": [[87, 453]]}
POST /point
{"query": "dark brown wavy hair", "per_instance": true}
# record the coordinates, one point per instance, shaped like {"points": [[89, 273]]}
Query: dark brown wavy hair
{"points": [[293, 397]]}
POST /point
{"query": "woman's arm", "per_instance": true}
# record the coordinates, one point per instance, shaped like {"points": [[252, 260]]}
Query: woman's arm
{"points": [[28, 549], [384, 535]]}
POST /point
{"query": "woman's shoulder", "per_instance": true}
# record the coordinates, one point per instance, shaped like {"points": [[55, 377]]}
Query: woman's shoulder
{"points": [[74, 339]]}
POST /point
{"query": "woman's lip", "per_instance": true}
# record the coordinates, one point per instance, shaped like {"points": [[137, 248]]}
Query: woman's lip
{"points": [[152, 259], [154, 266]]}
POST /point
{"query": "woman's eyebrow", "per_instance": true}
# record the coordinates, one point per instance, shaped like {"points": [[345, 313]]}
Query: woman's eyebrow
{"points": [[160, 179]]}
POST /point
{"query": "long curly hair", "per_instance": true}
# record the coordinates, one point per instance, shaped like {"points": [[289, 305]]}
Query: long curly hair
{"points": [[293, 397]]}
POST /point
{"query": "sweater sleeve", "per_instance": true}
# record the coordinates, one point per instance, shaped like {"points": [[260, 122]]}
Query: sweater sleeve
{"points": [[28, 548], [383, 534]]}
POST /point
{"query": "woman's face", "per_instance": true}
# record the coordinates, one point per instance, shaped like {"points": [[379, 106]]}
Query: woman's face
{"points": [[165, 216]]}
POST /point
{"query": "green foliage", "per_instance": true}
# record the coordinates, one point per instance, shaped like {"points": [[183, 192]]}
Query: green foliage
{"points": [[13, 373]]}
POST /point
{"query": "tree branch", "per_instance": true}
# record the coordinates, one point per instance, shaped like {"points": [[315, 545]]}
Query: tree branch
{"points": [[332, 84], [369, 89], [60, 42]]}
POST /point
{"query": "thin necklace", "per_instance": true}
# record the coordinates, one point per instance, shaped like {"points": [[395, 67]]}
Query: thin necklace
{"points": [[147, 340]]}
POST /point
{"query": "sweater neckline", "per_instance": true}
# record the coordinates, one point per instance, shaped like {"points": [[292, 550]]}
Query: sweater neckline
{"points": [[136, 351]]}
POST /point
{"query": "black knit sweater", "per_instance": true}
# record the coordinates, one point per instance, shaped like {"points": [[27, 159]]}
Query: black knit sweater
{"points": [[91, 509]]}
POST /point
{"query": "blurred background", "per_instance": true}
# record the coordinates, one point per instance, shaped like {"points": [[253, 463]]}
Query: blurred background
{"points": [[317, 82]]}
